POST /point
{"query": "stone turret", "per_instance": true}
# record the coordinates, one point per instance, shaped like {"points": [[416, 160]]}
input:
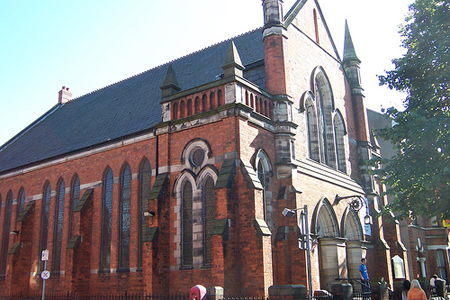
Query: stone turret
{"points": [[351, 63], [274, 47]]}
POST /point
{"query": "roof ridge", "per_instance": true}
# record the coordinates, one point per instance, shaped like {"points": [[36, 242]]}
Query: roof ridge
{"points": [[168, 63]]}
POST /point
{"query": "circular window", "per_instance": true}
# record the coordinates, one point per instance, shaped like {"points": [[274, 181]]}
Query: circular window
{"points": [[197, 157]]}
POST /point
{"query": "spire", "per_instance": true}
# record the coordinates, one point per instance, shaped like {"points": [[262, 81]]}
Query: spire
{"points": [[349, 49], [233, 65], [351, 63], [170, 85]]}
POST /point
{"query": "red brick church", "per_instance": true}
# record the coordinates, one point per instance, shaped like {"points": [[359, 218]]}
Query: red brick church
{"points": [[179, 175]]}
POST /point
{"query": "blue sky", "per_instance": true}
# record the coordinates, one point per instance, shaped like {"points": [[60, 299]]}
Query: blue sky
{"points": [[86, 45]]}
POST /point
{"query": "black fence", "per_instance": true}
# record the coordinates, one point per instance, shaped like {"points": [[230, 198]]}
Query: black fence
{"points": [[103, 296], [173, 296]]}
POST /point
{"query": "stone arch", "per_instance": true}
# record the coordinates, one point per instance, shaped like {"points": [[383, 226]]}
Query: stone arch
{"points": [[352, 231], [351, 227], [324, 221]]}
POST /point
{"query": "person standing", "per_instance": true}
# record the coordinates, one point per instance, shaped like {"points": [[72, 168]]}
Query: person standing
{"points": [[406, 285], [416, 292], [364, 275]]}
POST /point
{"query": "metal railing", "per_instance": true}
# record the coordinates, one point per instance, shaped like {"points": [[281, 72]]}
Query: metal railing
{"points": [[103, 296]]}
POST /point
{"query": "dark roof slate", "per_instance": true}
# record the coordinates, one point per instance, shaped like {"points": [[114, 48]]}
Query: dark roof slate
{"points": [[121, 109]]}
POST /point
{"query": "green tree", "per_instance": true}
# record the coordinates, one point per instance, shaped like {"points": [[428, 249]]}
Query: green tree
{"points": [[418, 177]]}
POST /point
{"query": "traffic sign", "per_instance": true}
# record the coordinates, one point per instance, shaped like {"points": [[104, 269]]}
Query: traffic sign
{"points": [[44, 255], [45, 274]]}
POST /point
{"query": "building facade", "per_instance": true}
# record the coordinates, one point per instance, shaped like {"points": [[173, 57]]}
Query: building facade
{"points": [[425, 240], [179, 176]]}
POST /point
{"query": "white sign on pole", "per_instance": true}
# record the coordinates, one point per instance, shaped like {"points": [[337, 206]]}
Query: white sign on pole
{"points": [[44, 255], [45, 274]]}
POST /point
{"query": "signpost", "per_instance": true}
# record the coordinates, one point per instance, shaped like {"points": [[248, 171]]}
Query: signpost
{"points": [[45, 274]]}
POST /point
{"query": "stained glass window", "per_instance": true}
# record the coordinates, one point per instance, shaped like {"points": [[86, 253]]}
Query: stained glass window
{"points": [[105, 254], [59, 218], [125, 217], [145, 176], [187, 225], [45, 210], [74, 198], [209, 204]]}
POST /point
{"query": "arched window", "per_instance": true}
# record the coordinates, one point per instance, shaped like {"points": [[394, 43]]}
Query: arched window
{"points": [[59, 218], [209, 215], [189, 107], [197, 105], [45, 210], [125, 217], [20, 201], [263, 170], [212, 100], [145, 176], [182, 109], [313, 138], [204, 103], [105, 248], [186, 228], [175, 111], [252, 104], [246, 99], [6, 230], [324, 99], [219, 98], [339, 132], [74, 198]]}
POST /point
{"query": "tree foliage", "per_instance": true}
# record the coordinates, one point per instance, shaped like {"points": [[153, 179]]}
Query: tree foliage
{"points": [[418, 176]]}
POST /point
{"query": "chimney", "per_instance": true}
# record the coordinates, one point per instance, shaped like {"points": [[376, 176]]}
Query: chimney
{"points": [[64, 95]]}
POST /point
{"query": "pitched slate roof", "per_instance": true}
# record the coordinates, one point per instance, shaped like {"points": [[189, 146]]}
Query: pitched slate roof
{"points": [[119, 110]]}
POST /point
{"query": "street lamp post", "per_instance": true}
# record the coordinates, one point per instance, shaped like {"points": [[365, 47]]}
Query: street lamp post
{"points": [[290, 213]]}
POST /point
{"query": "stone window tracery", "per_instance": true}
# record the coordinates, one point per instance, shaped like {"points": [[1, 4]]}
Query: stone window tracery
{"points": [[145, 176], [194, 190], [45, 210], [105, 248], [59, 219], [74, 198], [125, 218], [325, 125]]}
